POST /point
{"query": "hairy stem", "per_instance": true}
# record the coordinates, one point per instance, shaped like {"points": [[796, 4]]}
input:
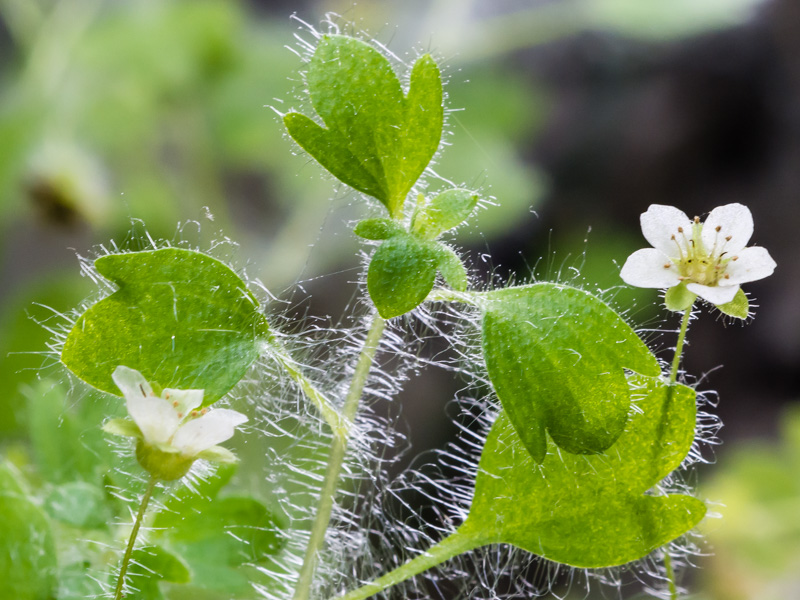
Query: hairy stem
{"points": [[336, 460], [448, 548], [673, 378], [673, 588], [676, 360], [126, 559], [338, 424]]}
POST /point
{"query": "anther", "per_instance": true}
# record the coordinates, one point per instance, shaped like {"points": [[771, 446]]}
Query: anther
{"points": [[667, 266], [727, 276], [718, 228], [680, 230], [141, 387], [728, 238], [180, 415], [697, 219], [735, 258], [166, 396], [175, 404]]}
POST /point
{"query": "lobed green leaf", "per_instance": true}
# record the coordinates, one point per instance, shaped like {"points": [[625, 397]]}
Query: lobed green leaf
{"points": [[376, 139], [556, 357], [590, 511], [181, 318]]}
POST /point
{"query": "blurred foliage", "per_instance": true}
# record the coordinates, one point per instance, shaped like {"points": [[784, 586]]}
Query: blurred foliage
{"points": [[756, 544]]}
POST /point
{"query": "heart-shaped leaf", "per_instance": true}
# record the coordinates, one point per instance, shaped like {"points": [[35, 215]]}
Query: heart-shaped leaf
{"points": [[376, 139], [181, 318], [590, 511], [556, 357]]}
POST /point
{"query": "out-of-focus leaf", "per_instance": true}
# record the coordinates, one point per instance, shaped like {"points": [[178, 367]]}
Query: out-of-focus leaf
{"points": [[444, 212], [78, 504], [217, 536], [181, 318], [661, 21], [27, 549], [557, 356], [148, 567]]}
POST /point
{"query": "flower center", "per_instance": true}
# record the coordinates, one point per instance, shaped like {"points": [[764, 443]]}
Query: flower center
{"points": [[695, 262]]}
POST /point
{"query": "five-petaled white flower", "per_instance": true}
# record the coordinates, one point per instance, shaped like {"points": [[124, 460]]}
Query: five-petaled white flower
{"points": [[172, 432], [709, 258]]}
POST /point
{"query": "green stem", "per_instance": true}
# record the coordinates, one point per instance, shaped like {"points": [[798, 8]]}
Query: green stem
{"points": [[336, 460], [449, 547], [446, 295], [676, 360], [151, 485], [338, 424], [673, 588], [673, 378]]}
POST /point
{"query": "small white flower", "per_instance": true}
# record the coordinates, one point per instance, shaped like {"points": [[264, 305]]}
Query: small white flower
{"points": [[709, 258], [172, 433]]}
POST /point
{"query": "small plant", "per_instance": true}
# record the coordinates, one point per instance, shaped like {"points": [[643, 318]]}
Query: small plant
{"points": [[581, 432]]}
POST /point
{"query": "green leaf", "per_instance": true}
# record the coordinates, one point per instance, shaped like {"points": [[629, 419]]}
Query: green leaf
{"points": [[377, 229], [452, 269], [556, 357], [27, 548], [444, 212], [78, 504], [181, 318], [377, 140], [590, 511], [739, 307], [401, 274], [150, 565], [679, 298]]}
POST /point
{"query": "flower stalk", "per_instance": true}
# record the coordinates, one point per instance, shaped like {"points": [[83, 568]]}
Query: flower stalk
{"points": [[126, 559]]}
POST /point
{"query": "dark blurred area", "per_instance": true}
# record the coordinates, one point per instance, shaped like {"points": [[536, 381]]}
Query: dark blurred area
{"points": [[577, 115]]}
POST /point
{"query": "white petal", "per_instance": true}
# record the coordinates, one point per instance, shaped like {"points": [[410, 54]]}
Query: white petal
{"points": [[752, 264], [183, 401], [718, 294], [210, 429], [131, 383], [660, 223], [646, 268], [734, 221], [155, 417]]}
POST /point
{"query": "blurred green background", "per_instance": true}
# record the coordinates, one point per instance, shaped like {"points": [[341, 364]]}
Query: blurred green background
{"points": [[572, 115]]}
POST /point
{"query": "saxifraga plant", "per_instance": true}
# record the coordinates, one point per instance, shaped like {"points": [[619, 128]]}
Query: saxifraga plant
{"points": [[577, 449]]}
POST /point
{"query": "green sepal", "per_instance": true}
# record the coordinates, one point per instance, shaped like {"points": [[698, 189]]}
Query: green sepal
{"points": [[162, 461], [679, 298], [181, 318], [738, 308], [376, 139], [218, 454], [590, 511], [377, 229], [444, 212], [556, 356], [123, 427], [401, 275], [451, 268]]}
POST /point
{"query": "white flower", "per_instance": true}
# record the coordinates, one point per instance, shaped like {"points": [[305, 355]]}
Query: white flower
{"points": [[172, 432], [709, 258]]}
